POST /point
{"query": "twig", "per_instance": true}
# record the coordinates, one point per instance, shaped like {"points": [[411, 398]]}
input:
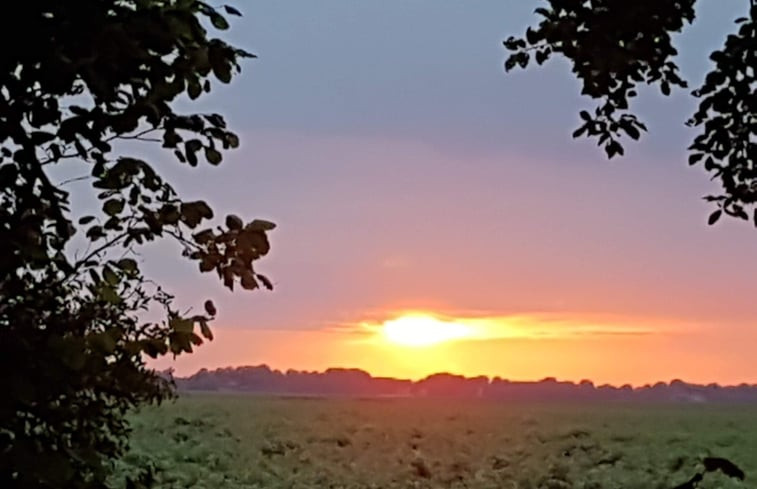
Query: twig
{"points": [[72, 180], [182, 239], [101, 248]]}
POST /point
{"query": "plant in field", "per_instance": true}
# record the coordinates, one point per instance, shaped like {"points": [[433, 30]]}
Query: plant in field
{"points": [[83, 84], [614, 46], [714, 464]]}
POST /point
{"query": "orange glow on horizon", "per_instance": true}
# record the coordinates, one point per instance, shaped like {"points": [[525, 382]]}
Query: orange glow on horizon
{"points": [[414, 344]]}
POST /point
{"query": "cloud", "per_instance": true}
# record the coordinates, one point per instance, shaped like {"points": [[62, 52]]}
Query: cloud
{"points": [[555, 326], [533, 326]]}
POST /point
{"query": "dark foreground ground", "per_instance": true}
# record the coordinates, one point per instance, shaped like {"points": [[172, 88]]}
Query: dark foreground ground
{"points": [[238, 441]]}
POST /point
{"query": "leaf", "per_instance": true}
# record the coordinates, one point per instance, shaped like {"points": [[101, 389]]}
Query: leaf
{"points": [[127, 265], [632, 131], [541, 56], [254, 241], [248, 281], [192, 213], [216, 120], [580, 131], [218, 21], [232, 11], [205, 329], [205, 211], [41, 137], [181, 325], [532, 36], [210, 308], [523, 59], [206, 265], [511, 43], [234, 222], [222, 71], [95, 232], [113, 206], [194, 89], [86, 220], [232, 140], [171, 139], [266, 281], [613, 148], [193, 145], [213, 156], [694, 158], [204, 236], [110, 276], [261, 225], [109, 294], [714, 217], [190, 217]]}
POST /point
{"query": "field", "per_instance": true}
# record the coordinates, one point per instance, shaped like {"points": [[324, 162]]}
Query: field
{"points": [[225, 441]]}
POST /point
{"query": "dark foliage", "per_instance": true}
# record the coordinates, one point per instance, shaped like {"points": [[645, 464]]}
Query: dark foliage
{"points": [[713, 464], [82, 85], [691, 483], [614, 46]]}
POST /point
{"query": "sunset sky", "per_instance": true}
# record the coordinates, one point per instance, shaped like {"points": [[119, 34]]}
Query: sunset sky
{"points": [[408, 175]]}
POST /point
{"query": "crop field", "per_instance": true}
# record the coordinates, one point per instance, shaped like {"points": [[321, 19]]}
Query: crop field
{"points": [[237, 441]]}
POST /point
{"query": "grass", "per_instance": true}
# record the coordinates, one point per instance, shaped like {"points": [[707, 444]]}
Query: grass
{"points": [[237, 441]]}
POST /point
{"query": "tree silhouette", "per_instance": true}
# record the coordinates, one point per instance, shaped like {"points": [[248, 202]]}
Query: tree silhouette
{"points": [[84, 84], [615, 45]]}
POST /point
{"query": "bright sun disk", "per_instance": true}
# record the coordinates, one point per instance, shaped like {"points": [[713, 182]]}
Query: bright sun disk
{"points": [[417, 330]]}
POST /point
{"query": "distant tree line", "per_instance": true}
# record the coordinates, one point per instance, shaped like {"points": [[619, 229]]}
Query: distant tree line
{"points": [[357, 383]]}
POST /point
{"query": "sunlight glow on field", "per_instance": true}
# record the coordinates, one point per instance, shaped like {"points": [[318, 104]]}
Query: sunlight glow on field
{"points": [[421, 330]]}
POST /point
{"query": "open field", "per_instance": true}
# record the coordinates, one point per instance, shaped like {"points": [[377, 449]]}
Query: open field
{"points": [[237, 441]]}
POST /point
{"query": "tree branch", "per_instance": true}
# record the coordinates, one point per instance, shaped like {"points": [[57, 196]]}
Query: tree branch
{"points": [[134, 137], [181, 239], [100, 249]]}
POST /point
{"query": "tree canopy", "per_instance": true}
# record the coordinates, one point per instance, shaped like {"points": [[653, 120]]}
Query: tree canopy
{"points": [[90, 81], [614, 46]]}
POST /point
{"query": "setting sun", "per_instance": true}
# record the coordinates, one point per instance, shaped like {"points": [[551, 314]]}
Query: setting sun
{"points": [[418, 330]]}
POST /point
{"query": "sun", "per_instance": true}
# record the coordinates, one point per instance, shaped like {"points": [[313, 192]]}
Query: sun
{"points": [[422, 330]]}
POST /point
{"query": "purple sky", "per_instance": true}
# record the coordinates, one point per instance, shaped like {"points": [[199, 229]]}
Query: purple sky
{"points": [[407, 171]]}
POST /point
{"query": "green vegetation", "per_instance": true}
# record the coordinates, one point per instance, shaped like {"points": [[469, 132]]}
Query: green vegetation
{"points": [[238, 441]]}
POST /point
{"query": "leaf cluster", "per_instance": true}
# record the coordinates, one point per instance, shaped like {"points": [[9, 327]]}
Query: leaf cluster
{"points": [[614, 46]]}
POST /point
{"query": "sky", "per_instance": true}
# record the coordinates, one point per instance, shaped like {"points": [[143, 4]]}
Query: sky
{"points": [[410, 176]]}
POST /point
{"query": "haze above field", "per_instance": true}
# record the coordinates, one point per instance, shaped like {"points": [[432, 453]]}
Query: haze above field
{"points": [[411, 178]]}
